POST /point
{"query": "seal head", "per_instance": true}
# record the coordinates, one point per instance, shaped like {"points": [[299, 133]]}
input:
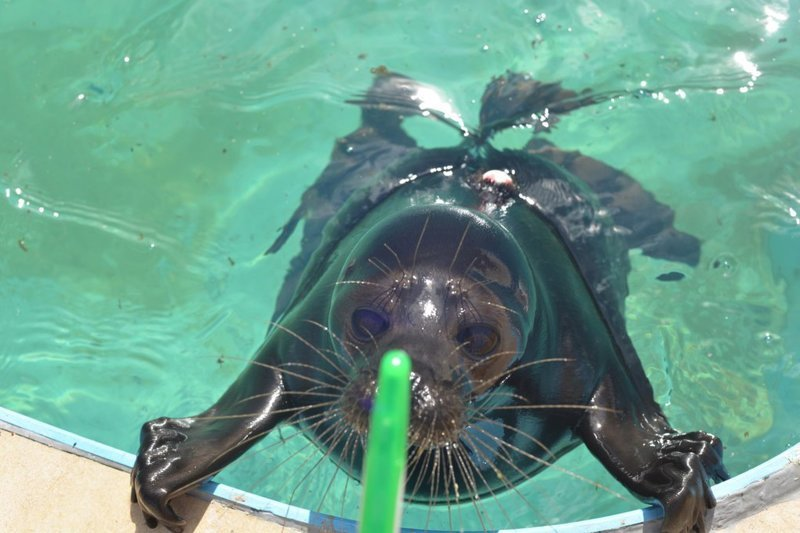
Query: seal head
{"points": [[462, 308]]}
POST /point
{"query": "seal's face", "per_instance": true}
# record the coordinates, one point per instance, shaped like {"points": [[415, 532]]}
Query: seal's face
{"points": [[452, 289]]}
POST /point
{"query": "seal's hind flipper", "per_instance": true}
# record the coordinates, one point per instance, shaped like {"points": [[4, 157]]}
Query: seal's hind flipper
{"points": [[645, 222], [359, 159], [393, 97], [378, 139], [517, 99]]}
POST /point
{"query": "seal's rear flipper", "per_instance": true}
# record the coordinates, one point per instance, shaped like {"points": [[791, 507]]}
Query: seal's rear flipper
{"points": [[517, 99], [645, 222], [394, 97], [360, 158]]}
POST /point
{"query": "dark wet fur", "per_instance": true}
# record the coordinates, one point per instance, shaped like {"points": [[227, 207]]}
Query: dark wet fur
{"points": [[473, 444]]}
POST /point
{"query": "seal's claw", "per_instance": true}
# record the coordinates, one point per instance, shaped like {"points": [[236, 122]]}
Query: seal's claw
{"points": [[706, 446], [152, 486], [682, 489]]}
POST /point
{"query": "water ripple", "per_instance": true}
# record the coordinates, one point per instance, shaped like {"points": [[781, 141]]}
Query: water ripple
{"points": [[779, 205], [84, 215]]}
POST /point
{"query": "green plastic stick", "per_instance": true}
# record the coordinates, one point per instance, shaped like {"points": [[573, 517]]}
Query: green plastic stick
{"points": [[385, 464]]}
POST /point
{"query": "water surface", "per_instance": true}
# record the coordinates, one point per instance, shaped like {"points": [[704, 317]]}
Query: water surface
{"points": [[150, 152]]}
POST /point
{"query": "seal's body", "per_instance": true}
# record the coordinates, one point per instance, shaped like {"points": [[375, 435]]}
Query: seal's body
{"points": [[501, 273]]}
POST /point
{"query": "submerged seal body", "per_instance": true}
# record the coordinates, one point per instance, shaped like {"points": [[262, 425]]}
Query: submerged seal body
{"points": [[502, 273]]}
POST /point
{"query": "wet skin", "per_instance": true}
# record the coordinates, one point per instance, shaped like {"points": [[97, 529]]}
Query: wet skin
{"points": [[502, 274]]}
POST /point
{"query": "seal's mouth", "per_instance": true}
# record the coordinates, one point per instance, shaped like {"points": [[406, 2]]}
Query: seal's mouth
{"points": [[438, 413]]}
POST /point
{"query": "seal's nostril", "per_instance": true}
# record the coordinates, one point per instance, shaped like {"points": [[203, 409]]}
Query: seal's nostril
{"points": [[366, 403]]}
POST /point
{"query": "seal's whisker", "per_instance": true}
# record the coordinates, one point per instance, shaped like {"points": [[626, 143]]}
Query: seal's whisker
{"points": [[421, 459], [326, 435], [452, 482], [477, 283], [469, 469], [325, 387], [346, 360], [434, 493], [380, 266], [349, 447], [505, 457], [313, 391], [483, 403], [355, 282], [576, 406], [504, 444], [457, 348], [325, 416], [466, 270], [256, 436], [470, 309], [458, 249], [298, 411], [384, 265], [396, 257], [281, 369], [411, 469], [321, 417], [489, 358], [475, 446], [525, 434], [344, 346], [255, 414], [312, 347], [305, 477], [462, 461], [503, 307], [345, 433], [338, 339], [419, 241], [464, 376], [374, 341], [517, 368], [310, 393], [283, 461]]}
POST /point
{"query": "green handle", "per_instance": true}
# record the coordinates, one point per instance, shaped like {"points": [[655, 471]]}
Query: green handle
{"points": [[385, 463]]}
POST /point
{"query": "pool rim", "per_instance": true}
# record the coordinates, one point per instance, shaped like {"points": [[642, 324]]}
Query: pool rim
{"points": [[121, 460]]}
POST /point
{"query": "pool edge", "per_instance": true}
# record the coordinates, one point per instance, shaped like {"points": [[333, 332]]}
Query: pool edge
{"points": [[775, 480]]}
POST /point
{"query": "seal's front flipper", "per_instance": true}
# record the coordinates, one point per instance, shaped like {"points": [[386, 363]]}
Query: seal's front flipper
{"points": [[177, 454], [643, 221], [634, 441]]}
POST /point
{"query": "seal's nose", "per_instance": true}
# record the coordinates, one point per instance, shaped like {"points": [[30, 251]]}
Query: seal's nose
{"points": [[437, 409], [437, 372]]}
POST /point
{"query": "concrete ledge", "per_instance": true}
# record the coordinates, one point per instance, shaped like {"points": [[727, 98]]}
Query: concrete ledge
{"points": [[46, 489], [53, 480]]}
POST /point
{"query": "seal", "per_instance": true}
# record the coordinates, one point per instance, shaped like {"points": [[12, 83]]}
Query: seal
{"points": [[502, 273]]}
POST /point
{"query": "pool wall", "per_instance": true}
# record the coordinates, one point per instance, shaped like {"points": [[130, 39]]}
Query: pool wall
{"points": [[765, 486]]}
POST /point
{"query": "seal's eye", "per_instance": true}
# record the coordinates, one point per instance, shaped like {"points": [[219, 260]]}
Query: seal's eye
{"points": [[369, 323], [478, 339]]}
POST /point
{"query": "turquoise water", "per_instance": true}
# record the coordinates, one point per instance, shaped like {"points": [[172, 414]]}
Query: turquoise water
{"points": [[150, 152]]}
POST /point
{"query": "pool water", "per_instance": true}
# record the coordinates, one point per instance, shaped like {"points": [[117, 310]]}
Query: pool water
{"points": [[149, 153]]}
